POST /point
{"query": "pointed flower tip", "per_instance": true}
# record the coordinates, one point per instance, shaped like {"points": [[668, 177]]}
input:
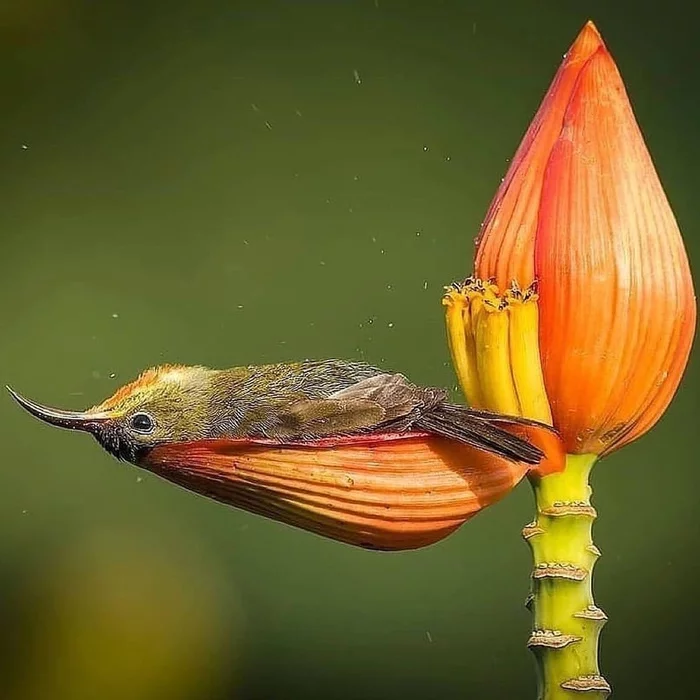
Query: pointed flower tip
{"points": [[586, 43], [590, 29], [506, 240]]}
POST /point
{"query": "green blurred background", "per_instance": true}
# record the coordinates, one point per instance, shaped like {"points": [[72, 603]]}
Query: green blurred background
{"points": [[239, 182]]}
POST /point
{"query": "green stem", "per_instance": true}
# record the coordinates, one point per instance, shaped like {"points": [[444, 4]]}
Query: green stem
{"points": [[567, 622]]}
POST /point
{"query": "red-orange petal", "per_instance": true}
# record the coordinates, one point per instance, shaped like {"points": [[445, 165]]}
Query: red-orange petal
{"points": [[617, 307], [507, 238], [404, 492]]}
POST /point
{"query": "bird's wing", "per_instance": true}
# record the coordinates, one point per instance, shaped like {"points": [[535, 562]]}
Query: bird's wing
{"points": [[380, 400], [317, 417], [394, 393]]}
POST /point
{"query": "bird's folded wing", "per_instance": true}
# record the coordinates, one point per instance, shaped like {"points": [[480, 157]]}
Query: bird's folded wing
{"points": [[319, 417]]}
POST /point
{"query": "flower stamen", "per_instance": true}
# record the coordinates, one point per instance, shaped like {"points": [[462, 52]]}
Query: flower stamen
{"points": [[494, 341]]}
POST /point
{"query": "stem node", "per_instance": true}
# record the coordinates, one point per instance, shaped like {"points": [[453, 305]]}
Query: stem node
{"points": [[588, 684], [564, 508], [592, 612], [552, 639], [531, 530], [559, 570]]}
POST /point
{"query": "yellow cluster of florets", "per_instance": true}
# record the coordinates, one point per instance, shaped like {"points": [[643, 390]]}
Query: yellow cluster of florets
{"points": [[494, 343]]}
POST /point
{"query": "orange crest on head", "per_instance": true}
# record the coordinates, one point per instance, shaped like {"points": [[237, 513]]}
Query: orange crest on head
{"points": [[142, 384]]}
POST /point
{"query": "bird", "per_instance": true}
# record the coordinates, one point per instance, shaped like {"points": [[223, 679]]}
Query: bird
{"points": [[285, 403], [202, 428]]}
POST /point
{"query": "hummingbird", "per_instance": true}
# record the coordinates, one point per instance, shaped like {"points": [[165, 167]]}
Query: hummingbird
{"points": [[203, 428]]}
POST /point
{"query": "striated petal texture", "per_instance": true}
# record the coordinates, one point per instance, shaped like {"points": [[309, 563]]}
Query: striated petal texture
{"points": [[617, 307], [384, 492], [506, 242]]}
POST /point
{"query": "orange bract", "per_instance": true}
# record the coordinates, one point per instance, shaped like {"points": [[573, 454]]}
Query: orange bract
{"points": [[381, 492], [582, 210], [616, 322]]}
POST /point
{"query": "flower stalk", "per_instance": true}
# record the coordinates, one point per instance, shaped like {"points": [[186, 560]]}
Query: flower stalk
{"points": [[566, 620]]}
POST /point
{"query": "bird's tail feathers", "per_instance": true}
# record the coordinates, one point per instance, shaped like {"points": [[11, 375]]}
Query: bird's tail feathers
{"points": [[507, 436]]}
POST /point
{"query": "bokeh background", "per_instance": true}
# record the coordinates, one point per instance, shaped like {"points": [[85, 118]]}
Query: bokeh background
{"points": [[239, 182]]}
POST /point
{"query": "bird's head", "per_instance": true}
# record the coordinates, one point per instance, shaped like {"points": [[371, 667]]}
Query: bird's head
{"points": [[170, 403]]}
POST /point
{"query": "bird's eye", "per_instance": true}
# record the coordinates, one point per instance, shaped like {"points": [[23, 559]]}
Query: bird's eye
{"points": [[142, 423]]}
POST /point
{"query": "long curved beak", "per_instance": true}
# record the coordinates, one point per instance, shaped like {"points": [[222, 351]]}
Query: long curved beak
{"points": [[72, 420]]}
